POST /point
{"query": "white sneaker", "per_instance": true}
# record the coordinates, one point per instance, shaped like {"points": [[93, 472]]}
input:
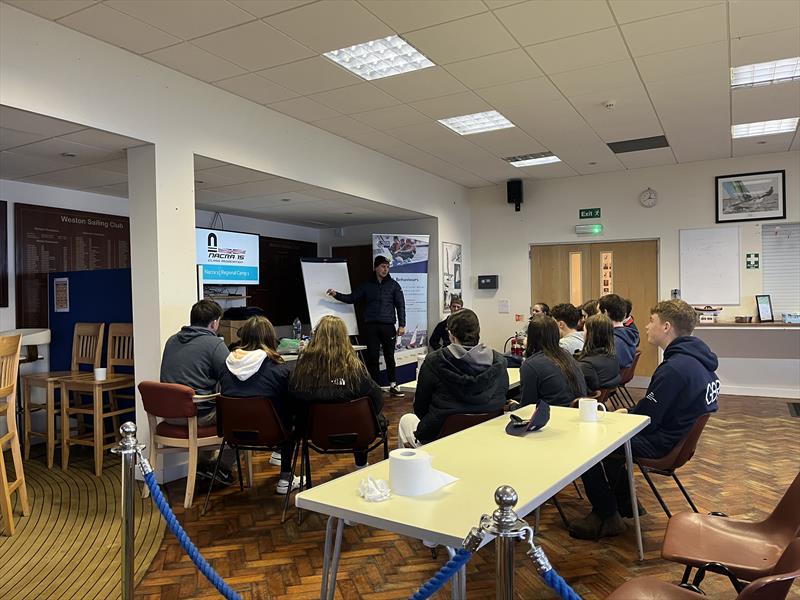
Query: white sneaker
{"points": [[283, 485], [275, 459]]}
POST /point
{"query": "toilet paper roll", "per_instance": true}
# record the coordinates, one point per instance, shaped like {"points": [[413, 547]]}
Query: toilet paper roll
{"points": [[411, 473]]}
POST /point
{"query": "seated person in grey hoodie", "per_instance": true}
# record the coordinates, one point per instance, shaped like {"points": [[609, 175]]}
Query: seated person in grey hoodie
{"points": [[195, 357], [567, 318], [255, 368], [464, 377]]}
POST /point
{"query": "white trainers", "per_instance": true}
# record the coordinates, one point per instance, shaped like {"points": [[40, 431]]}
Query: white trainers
{"points": [[275, 459], [283, 485]]}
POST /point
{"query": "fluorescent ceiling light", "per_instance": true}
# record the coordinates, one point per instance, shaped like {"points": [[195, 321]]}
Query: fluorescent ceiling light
{"points": [[477, 123], [529, 160], [775, 71], [380, 58], [764, 128]]}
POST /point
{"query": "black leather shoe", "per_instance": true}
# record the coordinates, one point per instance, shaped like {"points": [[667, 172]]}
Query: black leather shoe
{"points": [[594, 527]]}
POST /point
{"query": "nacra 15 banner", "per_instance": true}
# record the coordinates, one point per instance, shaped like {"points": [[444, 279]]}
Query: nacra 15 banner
{"points": [[228, 257]]}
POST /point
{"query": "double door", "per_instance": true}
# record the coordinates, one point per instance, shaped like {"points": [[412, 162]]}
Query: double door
{"points": [[577, 272]]}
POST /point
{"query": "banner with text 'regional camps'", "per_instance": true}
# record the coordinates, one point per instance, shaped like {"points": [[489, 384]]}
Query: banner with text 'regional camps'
{"points": [[408, 258]]}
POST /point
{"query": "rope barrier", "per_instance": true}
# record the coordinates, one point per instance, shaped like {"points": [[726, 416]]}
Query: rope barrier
{"points": [[435, 583], [560, 587]]}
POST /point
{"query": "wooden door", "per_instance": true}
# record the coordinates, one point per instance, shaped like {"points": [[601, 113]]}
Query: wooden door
{"points": [[634, 268]]}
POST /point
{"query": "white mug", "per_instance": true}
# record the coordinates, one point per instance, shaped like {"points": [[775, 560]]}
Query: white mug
{"points": [[100, 374], [590, 409]]}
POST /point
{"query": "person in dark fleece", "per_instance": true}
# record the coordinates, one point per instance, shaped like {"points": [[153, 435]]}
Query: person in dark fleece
{"points": [[626, 339], [683, 388], [439, 337], [384, 297], [465, 377]]}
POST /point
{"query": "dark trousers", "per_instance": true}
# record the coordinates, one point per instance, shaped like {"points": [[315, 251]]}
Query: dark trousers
{"points": [[380, 336], [606, 483]]}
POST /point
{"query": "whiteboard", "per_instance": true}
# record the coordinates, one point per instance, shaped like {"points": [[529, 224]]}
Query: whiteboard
{"points": [[319, 275], [710, 266]]}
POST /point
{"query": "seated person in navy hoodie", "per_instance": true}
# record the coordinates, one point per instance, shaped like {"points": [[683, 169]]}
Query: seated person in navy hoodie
{"points": [[683, 388], [255, 368], [464, 377], [626, 339]]}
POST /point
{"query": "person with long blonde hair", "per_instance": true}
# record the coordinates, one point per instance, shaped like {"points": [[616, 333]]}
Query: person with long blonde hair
{"points": [[329, 371], [598, 359]]}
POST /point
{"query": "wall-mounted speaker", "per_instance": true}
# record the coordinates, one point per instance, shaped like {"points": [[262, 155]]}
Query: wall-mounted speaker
{"points": [[514, 192], [487, 282]]}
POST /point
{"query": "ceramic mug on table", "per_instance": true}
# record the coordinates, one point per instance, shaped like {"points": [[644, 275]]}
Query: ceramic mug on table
{"points": [[589, 409], [100, 374]]}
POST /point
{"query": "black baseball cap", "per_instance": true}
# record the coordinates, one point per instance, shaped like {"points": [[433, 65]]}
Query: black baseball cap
{"points": [[380, 260]]}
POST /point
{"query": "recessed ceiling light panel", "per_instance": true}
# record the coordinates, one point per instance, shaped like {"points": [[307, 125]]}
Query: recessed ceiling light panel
{"points": [[529, 160], [477, 123], [380, 58], [764, 128], [775, 71]]}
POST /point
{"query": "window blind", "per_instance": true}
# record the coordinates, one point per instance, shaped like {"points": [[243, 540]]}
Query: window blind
{"points": [[780, 264]]}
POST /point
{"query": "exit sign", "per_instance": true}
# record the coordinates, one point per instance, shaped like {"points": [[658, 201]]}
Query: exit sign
{"points": [[589, 213]]}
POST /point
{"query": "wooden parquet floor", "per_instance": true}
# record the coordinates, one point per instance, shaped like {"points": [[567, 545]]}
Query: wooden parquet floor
{"points": [[747, 456]]}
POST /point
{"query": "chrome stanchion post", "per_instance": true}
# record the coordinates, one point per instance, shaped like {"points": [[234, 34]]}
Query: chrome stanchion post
{"points": [[506, 526], [128, 448]]}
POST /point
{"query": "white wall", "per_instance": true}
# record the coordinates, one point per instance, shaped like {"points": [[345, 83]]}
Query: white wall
{"points": [[266, 228], [501, 237]]}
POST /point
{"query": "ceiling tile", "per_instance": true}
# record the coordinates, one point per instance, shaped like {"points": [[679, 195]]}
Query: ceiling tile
{"points": [[276, 185], [256, 88], [118, 189], [103, 139], [520, 93], [495, 4], [460, 40], [637, 10], [765, 102], [22, 120], [681, 30], [118, 165], [330, 25], [495, 69], [304, 109], [765, 47], [608, 77], [432, 164], [542, 20], [119, 29], [54, 148], [408, 15], [647, 158], [685, 62], [51, 9], [507, 142], [209, 197], [749, 17], [13, 165], [763, 144], [264, 8], [795, 147], [553, 123], [579, 51], [419, 85], [237, 174], [11, 137], [550, 171], [203, 162], [355, 98], [312, 75], [350, 129], [78, 178], [394, 116], [631, 118], [253, 46], [186, 19], [195, 62], [466, 103]]}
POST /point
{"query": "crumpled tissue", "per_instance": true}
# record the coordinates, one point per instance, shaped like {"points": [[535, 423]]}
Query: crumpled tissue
{"points": [[374, 490]]}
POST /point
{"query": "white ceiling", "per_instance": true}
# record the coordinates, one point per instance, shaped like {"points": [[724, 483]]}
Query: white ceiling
{"points": [[547, 65], [32, 148]]}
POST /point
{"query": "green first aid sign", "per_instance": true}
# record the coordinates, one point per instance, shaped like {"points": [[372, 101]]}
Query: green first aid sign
{"points": [[589, 213]]}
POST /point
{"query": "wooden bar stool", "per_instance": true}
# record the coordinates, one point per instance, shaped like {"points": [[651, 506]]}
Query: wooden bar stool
{"points": [[9, 367], [120, 353], [87, 349]]}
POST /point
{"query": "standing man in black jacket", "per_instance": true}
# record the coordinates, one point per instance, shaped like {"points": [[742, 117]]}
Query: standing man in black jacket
{"points": [[384, 297]]}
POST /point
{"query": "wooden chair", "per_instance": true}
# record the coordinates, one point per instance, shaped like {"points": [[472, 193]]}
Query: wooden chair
{"points": [[9, 367], [461, 421], [174, 401], [621, 394], [119, 354], [87, 349]]}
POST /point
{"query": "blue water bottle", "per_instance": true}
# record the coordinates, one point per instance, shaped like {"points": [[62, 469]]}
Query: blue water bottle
{"points": [[297, 328]]}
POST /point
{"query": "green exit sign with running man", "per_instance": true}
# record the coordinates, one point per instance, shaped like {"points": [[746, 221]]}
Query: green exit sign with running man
{"points": [[589, 213]]}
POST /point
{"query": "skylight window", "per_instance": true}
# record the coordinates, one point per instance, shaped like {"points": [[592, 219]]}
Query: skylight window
{"points": [[764, 128], [530, 160], [477, 123], [775, 71], [380, 58]]}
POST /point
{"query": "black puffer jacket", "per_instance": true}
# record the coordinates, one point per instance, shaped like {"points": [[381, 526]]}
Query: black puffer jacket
{"points": [[600, 371], [457, 380], [383, 298]]}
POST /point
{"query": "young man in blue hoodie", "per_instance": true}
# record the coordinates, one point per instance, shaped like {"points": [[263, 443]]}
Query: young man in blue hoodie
{"points": [[683, 387], [626, 339]]}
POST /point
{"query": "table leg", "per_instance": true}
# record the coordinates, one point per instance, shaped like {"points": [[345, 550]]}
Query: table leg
{"points": [[458, 584], [326, 557], [634, 504], [50, 413], [337, 552], [97, 397], [64, 427], [330, 557]]}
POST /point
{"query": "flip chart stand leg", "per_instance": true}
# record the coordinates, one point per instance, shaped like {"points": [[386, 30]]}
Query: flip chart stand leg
{"points": [[634, 504]]}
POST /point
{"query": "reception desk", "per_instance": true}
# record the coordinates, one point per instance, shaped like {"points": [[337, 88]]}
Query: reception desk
{"points": [[755, 359]]}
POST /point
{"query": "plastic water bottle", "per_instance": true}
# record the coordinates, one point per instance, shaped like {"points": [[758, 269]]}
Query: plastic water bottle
{"points": [[297, 328]]}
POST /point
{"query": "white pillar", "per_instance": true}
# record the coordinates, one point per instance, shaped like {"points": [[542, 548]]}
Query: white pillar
{"points": [[161, 208]]}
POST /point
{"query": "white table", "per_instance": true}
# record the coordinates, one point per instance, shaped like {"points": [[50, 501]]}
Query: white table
{"points": [[513, 382], [483, 457], [291, 357]]}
